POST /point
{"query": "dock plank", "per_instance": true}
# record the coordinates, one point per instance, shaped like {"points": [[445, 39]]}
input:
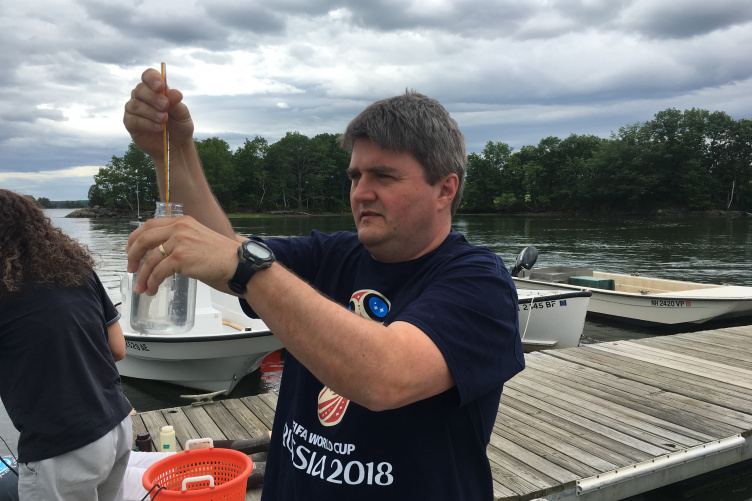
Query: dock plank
{"points": [[205, 426], [601, 445], [261, 409], [532, 465], [504, 469], [730, 349], [250, 423], [700, 361], [554, 445], [227, 423], [619, 417], [691, 385], [600, 426], [653, 401], [184, 429], [154, 421], [572, 414], [647, 410], [692, 365]]}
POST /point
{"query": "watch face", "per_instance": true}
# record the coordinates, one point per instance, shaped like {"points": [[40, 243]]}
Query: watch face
{"points": [[258, 250]]}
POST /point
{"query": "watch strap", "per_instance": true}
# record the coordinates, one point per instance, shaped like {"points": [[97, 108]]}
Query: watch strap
{"points": [[243, 273], [245, 270]]}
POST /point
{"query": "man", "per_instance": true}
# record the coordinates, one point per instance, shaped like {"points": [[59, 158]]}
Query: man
{"points": [[398, 400]]}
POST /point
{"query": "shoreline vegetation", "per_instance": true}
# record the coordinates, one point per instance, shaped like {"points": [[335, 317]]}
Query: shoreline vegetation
{"points": [[106, 212], [695, 160]]}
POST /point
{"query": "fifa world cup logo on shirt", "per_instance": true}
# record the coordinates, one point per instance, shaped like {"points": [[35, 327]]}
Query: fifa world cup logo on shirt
{"points": [[367, 304]]}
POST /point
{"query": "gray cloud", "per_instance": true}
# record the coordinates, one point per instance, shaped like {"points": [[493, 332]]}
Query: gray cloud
{"points": [[691, 18], [247, 17], [507, 70]]}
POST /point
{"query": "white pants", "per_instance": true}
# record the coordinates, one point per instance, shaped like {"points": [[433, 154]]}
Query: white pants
{"points": [[137, 465], [95, 472]]}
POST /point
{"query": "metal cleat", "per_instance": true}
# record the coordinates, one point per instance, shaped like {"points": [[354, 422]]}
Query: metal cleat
{"points": [[204, 398]]}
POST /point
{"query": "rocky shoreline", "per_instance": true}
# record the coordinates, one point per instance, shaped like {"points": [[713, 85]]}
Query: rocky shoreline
{"points": [[106, 212]]}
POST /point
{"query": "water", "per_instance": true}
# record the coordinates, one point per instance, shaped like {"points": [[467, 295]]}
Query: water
{"points": [[695, 248], [701, 249], [172, 310]]}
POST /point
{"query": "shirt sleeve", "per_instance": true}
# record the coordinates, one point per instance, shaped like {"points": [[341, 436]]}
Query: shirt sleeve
{"points": [[469, 310], [111, 313]]}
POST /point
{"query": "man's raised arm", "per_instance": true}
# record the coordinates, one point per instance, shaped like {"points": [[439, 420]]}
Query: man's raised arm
{"points": [[149, 108]]}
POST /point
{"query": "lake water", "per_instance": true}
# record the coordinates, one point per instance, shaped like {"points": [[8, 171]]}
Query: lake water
{"points": [[697, 248]]}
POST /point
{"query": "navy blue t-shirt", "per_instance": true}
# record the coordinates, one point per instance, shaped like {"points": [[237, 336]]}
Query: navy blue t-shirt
{"points": [[326, 447], [60, 385]]}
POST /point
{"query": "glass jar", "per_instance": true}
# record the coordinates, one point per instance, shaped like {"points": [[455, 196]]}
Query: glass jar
{"points": [[172, 310]]}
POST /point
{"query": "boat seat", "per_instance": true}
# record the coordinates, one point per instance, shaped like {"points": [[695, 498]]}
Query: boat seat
{"points": [[559, 274], [593, 282]]}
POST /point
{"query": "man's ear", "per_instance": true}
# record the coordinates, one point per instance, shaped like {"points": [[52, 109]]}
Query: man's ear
{"points": [[448, 189]]}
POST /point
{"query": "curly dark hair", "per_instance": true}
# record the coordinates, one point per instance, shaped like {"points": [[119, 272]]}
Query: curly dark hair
{"points": [[32, 248]]}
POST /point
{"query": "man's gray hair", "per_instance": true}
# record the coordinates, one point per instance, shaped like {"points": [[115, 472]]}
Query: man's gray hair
{"points": [[415, 124]]}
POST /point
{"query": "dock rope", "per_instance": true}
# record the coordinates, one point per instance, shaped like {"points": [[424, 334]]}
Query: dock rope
{"points": [[527, 322]]}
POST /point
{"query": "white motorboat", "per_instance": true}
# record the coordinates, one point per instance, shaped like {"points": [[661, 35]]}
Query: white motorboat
{"points": [[643, 300], [548, 318], [551, 319], [223, 346]]}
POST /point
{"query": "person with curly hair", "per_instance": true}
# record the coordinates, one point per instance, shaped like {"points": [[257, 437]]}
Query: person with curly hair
{"points": [[59, 340]]}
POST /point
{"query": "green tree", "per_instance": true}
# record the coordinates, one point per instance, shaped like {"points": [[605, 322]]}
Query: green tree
{"points": [[46, 203], [253, 179], [478, 194], [126, 182], [294, 159], [618, 178], [728, 158], [674, 150], [96, 196], [219, 168], [571, 188], [484, 178], [331, 163]]}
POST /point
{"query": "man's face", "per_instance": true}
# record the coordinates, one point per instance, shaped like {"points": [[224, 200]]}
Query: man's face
{"points": [[397, 213]]}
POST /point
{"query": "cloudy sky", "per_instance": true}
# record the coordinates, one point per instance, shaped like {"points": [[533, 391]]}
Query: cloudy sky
{"points": [[515, 71]]}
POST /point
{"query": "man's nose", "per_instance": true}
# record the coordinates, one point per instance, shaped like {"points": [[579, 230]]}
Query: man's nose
{"points": [[362, 191]]}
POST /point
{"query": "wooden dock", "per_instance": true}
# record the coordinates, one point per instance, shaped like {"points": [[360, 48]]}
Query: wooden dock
{"points": [[603, 421]]}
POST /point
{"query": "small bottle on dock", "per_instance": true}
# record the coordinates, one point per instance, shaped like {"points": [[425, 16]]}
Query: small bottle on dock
{"points": [[167, 439], [143, 442]]}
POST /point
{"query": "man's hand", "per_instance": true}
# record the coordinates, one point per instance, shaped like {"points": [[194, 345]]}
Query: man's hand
{"points": [[191, 249], [148, 109]]}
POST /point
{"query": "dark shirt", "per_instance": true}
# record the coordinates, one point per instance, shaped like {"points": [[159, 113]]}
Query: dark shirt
{"points": [[59, 383], [325, 447]]}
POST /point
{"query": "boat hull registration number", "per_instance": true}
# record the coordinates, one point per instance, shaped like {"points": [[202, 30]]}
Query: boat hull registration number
{"points": [[670, 303], [542, 304], [136, 346]]}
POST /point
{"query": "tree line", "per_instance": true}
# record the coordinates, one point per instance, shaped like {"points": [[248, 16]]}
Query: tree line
{"points": [[46, 203], [692, 160], [297, 173]]}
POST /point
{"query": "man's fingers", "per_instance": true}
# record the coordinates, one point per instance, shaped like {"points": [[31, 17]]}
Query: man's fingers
{"points": [[158, 271], [144, 238], [148, 104], [190, 249], [152, 79]]}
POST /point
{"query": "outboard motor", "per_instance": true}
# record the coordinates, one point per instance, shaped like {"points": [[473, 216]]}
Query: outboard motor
{"points": [[526, 259]]}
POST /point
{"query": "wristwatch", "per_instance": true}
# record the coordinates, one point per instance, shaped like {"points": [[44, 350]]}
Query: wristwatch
{"points": [[252, 257]]}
